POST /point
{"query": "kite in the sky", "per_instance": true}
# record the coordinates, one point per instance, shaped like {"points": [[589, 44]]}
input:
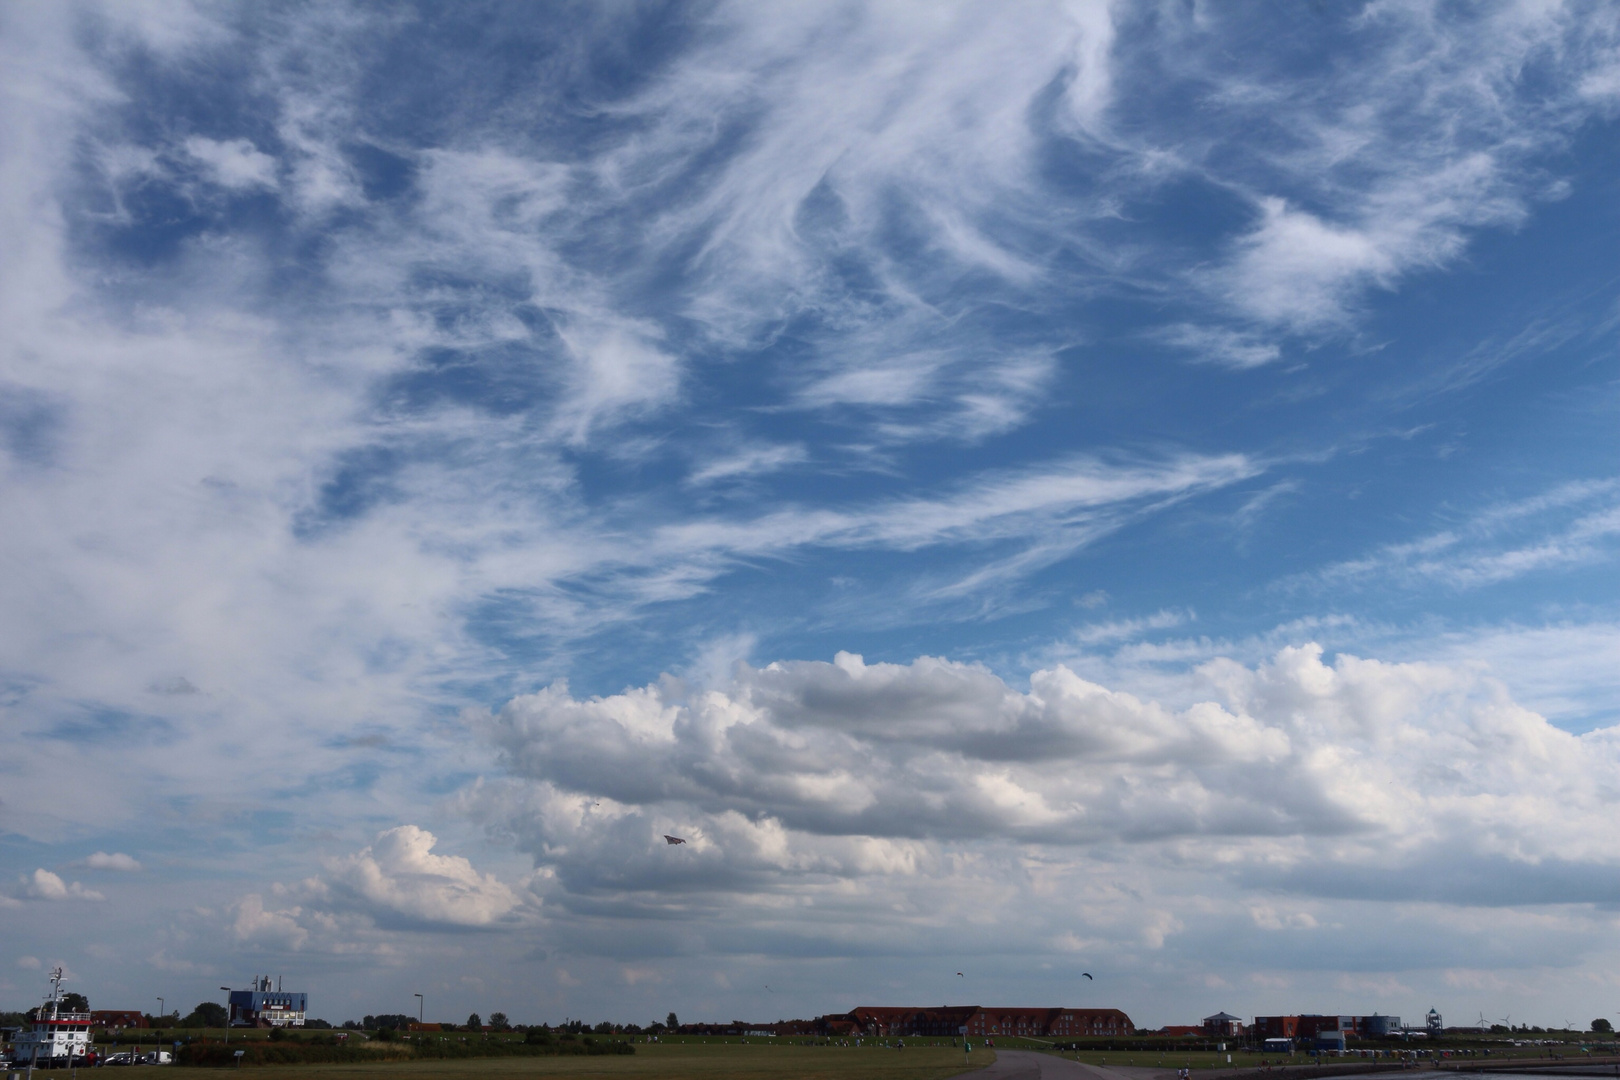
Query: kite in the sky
{"points": [[668, 839], [960, 974], [1087, 974]]}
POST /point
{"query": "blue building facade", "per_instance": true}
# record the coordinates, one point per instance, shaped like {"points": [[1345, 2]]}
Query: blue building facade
{"points": [[264, 1006]]}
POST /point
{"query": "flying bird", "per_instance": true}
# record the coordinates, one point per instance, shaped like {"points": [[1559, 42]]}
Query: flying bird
{"points": [[668, 839], [1087, 974]]}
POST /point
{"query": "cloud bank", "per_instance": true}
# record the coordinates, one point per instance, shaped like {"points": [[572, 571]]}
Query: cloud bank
{"points": [[1298, 773]]}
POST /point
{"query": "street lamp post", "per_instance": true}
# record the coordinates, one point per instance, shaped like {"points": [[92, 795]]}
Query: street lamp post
{"points": [[161, 1013], [227, 1012], [421, 1008]]}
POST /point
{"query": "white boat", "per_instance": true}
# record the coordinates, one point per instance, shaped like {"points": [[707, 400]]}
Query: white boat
{"points": [[59, 1038]]}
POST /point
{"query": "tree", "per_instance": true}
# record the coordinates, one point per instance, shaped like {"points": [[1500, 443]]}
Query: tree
{"points": [[207, 1014], [72, 1002], [499, 1022], [672, 1023], [474, 1022], [1602, 1026]]}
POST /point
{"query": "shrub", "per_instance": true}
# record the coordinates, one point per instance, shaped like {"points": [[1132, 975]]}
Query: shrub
{"points": [[207, 1014]]}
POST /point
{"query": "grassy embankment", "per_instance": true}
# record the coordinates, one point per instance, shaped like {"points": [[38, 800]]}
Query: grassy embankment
{"points": [[924, 1059]]}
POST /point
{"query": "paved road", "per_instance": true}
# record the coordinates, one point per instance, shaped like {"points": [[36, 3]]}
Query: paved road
{"points": [[1029, 1065]]}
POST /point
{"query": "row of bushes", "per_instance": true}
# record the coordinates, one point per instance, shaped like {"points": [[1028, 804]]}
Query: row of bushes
{"points": [[290, 1053], [285, 1054]]}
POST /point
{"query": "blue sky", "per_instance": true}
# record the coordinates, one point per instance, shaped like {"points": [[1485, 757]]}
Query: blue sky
{"points": [[1126, 488]]}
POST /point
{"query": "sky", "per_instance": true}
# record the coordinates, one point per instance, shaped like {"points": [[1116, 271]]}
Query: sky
{"points": [[1023, 489]]}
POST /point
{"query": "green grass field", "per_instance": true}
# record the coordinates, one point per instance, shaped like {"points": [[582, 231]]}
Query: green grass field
{"points": [[677, 1061], [679, 1057]]}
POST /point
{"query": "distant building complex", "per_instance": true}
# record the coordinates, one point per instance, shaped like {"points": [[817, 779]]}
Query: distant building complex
{"points": [[1283, 1034], [978, 1021], [1334, 1028]]}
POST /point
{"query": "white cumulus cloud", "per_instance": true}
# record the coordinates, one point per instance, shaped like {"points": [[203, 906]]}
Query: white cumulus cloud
{"points": [[257, 924], [44, 885], [102, 860], [398, 875]]}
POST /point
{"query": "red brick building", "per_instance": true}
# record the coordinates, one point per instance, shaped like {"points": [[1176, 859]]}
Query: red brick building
{"points": [[908, 1020], [117, 1018]]}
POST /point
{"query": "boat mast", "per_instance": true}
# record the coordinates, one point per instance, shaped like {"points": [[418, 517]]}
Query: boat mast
{"points": [[52, 1001]]}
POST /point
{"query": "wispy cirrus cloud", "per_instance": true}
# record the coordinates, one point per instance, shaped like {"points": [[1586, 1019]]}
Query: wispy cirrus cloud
{"points": [[1219, 345], [1574, 524], [1126, 629], [1346, 197], [748, 461], [236, 163]]}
